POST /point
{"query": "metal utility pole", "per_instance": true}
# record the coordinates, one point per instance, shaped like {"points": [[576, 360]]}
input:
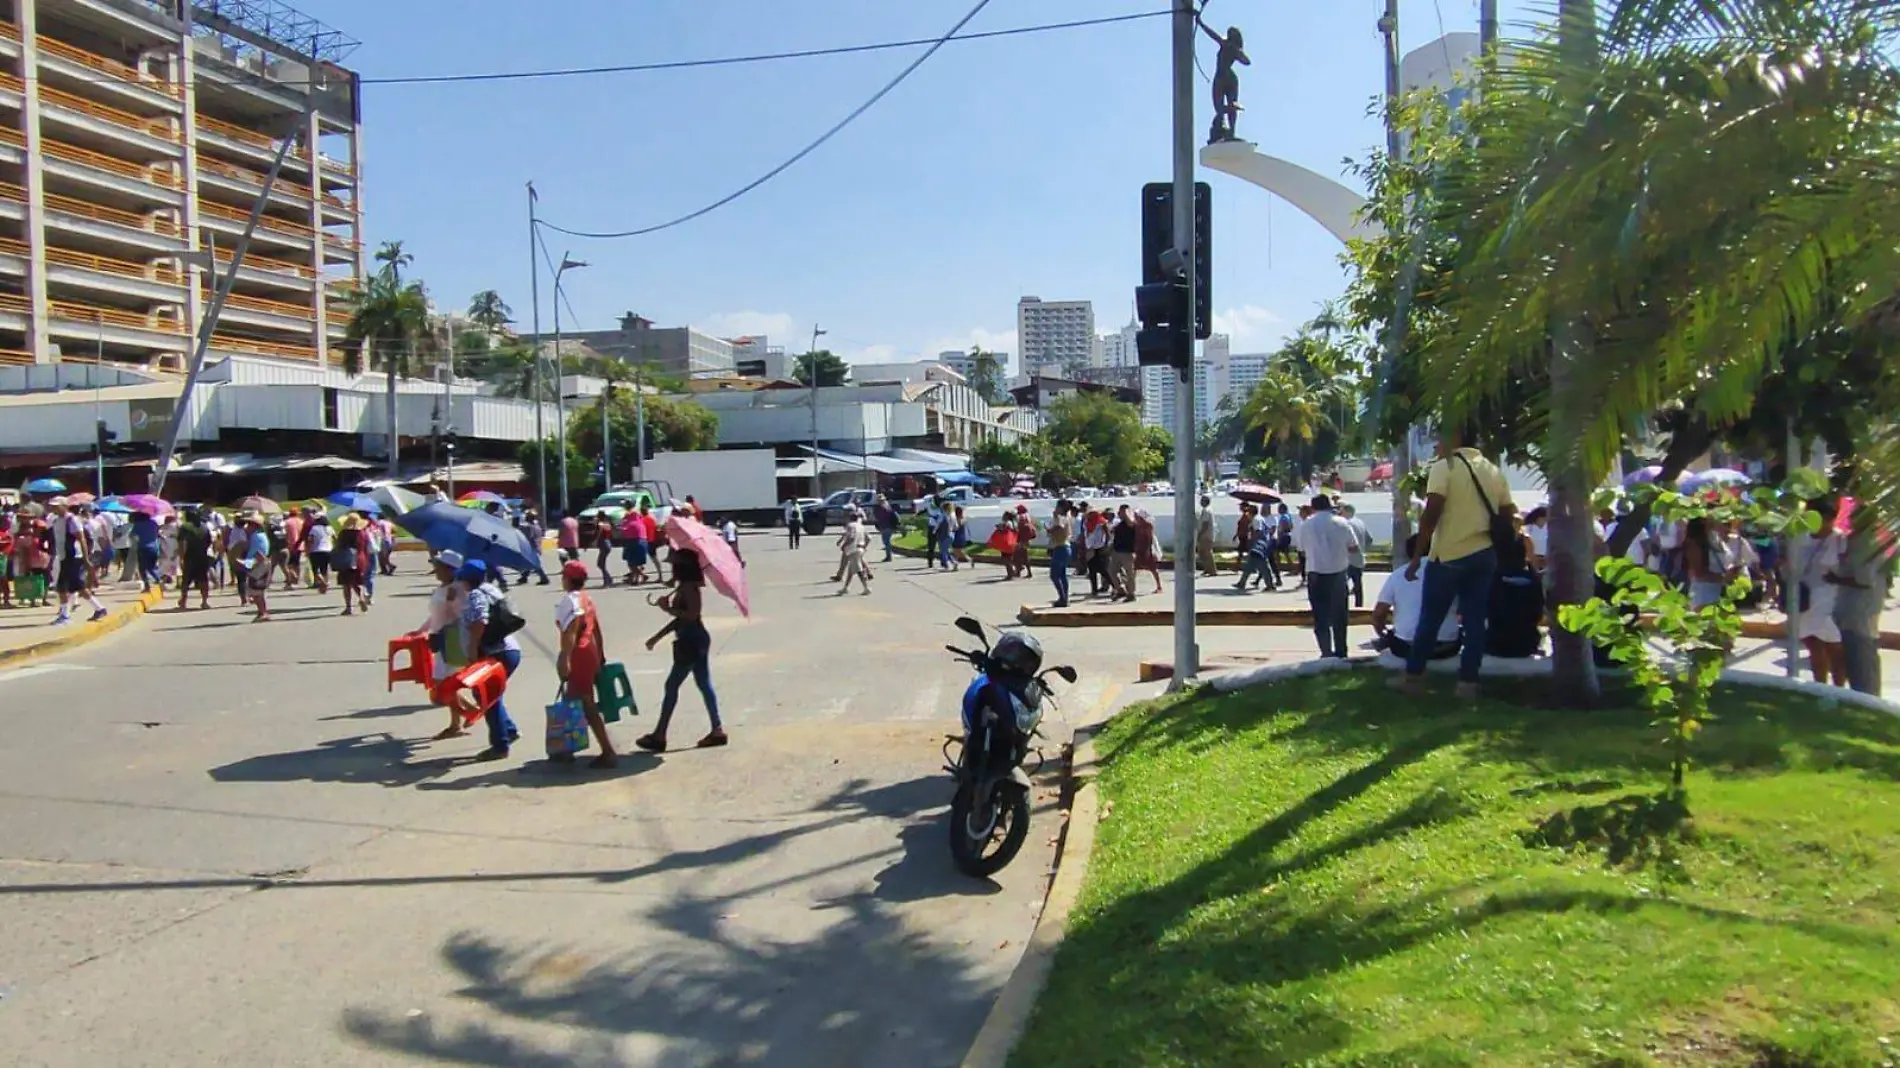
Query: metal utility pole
{"points": [[1187, 653], [811, 368], [606, 438], [448, 395], [560, 389], [540, 394], [98, 420], [1487, 23], [639, 427], [1408, 279], [181, 410]]}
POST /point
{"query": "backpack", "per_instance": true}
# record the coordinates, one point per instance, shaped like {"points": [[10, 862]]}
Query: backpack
{"points": [[503, 622]]}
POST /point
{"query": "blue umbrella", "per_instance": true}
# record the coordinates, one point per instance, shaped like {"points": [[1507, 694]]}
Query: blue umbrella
{"points": [[472, 532], [352, 501], [113, 504], [45, 485]]}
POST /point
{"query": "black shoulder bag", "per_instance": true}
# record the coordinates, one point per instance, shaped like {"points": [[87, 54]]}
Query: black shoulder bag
{"points": [[1503, 533]]}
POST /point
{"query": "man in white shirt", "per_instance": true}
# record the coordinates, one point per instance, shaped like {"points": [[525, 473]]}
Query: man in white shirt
{"points": [[1395, 614], [1327, 540], [1356, 562]]}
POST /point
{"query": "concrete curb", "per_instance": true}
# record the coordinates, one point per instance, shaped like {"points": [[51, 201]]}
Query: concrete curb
{"points": [[1008, 1019], [80, 634], [1031, 615]]}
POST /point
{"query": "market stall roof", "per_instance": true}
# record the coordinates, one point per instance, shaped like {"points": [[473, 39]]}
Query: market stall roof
{"points": [[942, 461], [802, 468], [883, 465], [961, 478]]}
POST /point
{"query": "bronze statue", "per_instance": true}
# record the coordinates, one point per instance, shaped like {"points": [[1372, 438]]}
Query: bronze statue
{"points": [[1226, 82]]}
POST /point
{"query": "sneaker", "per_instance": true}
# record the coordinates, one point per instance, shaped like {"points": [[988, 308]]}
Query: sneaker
{"points": [[1466, 691], [98, 615], [492, 753], [61, 620], [1408, 684]]}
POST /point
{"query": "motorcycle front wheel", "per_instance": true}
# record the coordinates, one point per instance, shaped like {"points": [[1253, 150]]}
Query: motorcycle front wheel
{"points": [[983, 843]]}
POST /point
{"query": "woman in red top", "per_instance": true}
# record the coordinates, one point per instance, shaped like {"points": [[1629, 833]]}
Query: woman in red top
{"points": [[581, 656]]}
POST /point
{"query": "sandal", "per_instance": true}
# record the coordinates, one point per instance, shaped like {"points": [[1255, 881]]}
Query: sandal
{"points": [[604, 761], [449, 732], [714, 740], [652, 743]]}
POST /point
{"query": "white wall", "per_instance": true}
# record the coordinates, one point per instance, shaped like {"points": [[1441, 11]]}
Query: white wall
{"points": [[727, 480]]}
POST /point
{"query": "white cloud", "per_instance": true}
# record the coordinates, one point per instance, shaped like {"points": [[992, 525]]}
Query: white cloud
{"points": [[776, 325], [870, 354], [1250, 327], [989, 340]]}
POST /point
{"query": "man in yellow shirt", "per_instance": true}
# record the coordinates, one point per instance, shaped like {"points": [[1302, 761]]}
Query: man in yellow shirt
{"points": [[1463, 491]]}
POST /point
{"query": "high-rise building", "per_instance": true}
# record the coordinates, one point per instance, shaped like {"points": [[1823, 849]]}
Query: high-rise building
{"points": [[1118, 349], [135, 136], [1055, 334]]}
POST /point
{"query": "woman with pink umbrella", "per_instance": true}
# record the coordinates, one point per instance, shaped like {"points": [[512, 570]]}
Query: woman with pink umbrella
{"points": [[699, 556]]}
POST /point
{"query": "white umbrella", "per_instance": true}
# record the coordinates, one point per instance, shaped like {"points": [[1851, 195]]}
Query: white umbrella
{"points": [[396, 500]]}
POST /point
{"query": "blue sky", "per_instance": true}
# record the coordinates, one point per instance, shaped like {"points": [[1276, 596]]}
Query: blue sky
{"points": [[1001, 168]]}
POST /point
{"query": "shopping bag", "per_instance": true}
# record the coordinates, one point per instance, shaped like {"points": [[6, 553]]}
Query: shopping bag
{"points": [[567, 728]]}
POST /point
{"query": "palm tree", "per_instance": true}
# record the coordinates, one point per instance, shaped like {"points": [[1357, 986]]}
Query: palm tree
{"points": [[487, 310], [393, 260], [1283, 409], [1596, 256], [388, 322]]}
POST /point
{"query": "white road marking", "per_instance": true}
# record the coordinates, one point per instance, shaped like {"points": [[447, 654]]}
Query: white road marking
{"points": [[40, 669]]}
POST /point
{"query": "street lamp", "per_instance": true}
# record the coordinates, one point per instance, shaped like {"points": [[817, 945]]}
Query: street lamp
{"points": [[811, 368], [568, 263]]}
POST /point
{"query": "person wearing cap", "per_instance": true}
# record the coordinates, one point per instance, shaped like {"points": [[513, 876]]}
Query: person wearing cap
{"points": [[480, 597], [71, 549], [257, 566], [582, 655], [445, 609]]}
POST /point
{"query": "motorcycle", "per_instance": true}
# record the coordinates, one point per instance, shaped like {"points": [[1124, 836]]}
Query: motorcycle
{"points": [[1002, 707]]}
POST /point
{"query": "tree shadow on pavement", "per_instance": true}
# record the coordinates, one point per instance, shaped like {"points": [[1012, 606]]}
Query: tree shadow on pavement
{"points": [[546, 772], [866, 980]]}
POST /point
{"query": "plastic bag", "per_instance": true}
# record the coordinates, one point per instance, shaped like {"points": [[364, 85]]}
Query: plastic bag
{"points": [[567, 728]]}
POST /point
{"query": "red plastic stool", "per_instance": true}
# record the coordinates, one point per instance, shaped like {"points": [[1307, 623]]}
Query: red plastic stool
{"points": [[485, 678], [420, 666]]}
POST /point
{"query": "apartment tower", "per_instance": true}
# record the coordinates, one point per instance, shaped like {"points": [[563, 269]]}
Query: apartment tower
{"points": [[135, 136]]}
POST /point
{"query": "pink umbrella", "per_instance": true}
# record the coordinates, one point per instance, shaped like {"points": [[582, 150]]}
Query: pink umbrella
{"points": [[1380, 472], [145, 502], [721, 567]]}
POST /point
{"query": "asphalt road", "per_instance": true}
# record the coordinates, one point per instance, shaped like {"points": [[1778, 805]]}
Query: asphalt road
{"points": [[225, 843]]}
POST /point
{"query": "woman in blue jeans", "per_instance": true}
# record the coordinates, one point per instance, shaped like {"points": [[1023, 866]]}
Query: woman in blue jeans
{"points": [[692, 652], [477, 612]]}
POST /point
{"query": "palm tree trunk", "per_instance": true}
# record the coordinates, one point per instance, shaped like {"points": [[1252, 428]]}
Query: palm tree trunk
{"points": [[389, 408], [1572, 539]]}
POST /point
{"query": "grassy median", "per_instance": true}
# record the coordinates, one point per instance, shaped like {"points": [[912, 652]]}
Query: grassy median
{"points": [[1313, 872]]}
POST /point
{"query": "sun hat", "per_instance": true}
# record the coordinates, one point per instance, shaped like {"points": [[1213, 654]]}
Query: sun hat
{"points": [[474, 572], [574, 569], [448, 558]]}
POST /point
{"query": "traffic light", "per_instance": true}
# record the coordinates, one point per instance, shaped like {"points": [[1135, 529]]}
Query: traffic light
{"points": [[1158, 262], [1163, 310], [102, 438]]}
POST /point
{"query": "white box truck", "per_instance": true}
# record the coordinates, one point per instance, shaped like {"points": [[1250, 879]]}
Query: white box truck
{"points": [[742, 483]]}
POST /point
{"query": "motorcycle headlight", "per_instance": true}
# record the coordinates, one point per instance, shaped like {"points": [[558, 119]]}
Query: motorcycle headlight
{"points": [[1028, 715]]}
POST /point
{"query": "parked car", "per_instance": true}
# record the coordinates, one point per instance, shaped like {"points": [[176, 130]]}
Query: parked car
{"points": [[837, 502]]}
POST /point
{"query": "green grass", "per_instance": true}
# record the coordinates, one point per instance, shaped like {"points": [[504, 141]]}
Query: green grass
{"points": [[1319, 872]]}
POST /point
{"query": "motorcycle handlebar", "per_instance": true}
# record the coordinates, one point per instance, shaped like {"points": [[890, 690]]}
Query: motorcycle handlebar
{"points": [[963, 654]]}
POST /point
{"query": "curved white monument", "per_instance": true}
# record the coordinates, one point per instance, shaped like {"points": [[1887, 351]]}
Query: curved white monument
{"points": [[1327, 202]]}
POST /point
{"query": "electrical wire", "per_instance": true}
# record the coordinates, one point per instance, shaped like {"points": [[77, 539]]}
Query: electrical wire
{"points": [[554, 273], [799, 155], [763, 57]]}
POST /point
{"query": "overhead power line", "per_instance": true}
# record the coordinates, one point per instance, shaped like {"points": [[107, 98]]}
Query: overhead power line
{"points": [[799, 155], [761, 57]]}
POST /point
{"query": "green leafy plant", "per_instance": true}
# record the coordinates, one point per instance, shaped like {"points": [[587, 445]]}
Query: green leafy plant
{"points": [[1646, 610]]}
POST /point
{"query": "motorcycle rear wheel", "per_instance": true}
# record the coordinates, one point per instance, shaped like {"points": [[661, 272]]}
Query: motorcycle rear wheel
{"points": [[1007, 823]]}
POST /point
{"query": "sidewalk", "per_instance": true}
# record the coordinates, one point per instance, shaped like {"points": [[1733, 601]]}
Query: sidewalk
{"points": [[27, 633], [1218, 604]]}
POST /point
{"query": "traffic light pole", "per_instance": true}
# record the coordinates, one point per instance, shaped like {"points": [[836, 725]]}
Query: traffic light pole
{"points": [[1187, 655]]}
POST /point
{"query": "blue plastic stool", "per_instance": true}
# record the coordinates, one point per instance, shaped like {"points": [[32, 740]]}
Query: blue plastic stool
{"points": [[613, 693]]}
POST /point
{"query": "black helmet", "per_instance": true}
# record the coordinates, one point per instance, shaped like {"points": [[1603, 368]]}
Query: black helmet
{"points": [[1018, 653]]}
